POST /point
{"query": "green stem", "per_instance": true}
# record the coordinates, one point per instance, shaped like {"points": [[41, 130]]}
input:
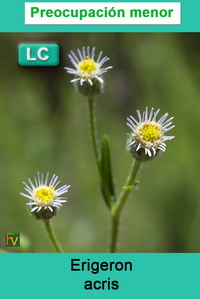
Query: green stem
{"points": [[114, 233], [52, 237], [118, 207], [129, 183], [93, 131]]}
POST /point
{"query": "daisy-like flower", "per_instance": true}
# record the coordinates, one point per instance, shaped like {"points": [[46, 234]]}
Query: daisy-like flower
{"points": [[44, 197], [86, 67], [148, 134]]}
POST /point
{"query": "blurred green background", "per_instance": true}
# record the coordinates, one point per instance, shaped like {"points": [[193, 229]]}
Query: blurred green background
{"points": [[44, 126]]}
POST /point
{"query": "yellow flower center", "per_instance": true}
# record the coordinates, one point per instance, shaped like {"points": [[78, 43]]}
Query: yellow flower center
{"points": [[150, 133], [88, 65], [45, 194]]}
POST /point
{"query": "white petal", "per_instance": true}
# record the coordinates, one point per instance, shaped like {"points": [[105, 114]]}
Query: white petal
{"points": [[168, 120], [104, 70], [54, 205], [58, 204], [88, 51], [151, 114], [163, 118], [73, 80], [65, 187], [70, 70], [39, 209], [31, 183], [90, 81], [103, 61], [54, 181], [73, 55], [60, 200], [131, 126], [146, 114], [51, 181], [168, 138], [30, 192], [42, 178], [50, 208], [61, 192], [143, 116], [46, 180], [27, 186], [139, 115], [99, 57], [38, 175], [168, 124], [161, 147], [154, 151], [73, 61], [33, 209], [155, 114], [80, 54], [25, 195], [36, 182], [99, 79], [166, 130], [138, 147], [84, 53], [93, 53], [149, 152], [56, 184], [137, 123]]}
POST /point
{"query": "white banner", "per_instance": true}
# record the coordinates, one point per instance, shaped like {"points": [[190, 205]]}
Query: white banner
{"points": [[102, 13]]}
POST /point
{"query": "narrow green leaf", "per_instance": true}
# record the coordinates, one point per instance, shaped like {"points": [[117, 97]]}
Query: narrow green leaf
{"points": [[107, 177]]}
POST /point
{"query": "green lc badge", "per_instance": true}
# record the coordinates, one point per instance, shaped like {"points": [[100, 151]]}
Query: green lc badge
{"points": [[38, 55]]}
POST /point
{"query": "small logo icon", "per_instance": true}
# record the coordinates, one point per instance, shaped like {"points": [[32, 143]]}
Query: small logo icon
{"points": [[38, 55], [12, 239]]}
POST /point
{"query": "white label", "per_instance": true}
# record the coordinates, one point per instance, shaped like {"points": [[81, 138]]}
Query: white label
{"points": [[102, 13]]}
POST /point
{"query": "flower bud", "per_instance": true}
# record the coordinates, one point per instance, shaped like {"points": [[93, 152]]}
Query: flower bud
{"points": [[44, 214], [89, 90]]}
